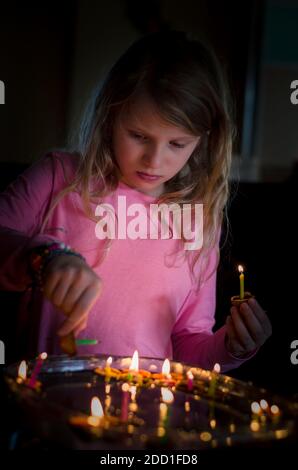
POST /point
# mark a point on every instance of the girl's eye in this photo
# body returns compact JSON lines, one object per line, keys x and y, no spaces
{"x":178,"y":146}
{"x":142,"y":138}
{"x":137,"y":136}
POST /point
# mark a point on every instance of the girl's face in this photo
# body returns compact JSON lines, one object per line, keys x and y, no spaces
{"x":149,"y":151}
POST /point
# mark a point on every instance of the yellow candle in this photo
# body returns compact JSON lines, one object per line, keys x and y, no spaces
{"x":213,"y":380}
{"x":241,"y":277}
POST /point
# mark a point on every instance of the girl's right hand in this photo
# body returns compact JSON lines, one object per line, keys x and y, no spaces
{"x":73,"y":287}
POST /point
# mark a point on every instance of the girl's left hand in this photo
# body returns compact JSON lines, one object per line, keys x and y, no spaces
{"x":248,"y":328}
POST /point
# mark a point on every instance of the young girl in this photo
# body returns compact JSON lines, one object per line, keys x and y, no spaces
{"x":159,"y":132}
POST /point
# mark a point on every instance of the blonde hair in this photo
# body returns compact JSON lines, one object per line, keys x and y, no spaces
{"x":186,"y":82}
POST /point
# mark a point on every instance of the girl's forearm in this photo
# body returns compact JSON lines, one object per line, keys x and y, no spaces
{"x":14,"y":248}
{"x":205,"y":349}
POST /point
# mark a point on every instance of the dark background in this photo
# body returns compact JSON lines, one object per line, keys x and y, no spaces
{"x":54,"y":53}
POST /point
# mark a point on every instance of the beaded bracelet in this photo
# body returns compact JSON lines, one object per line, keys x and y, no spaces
{"x":42,"y":255}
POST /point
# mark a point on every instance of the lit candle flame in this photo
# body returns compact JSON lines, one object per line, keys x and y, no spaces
{"x":213,"y":423}
{"x":133,"y":392}
{"x":264,"y":404}
{"x":216,"y":368}
{"x":187,"y":406}
{"x":190,"y":375}
{"x":125,"y":387}
{"x":22,"y":372}
{"x":134,"y":362}
{"x":96,"y":408}
{"x":163,"y":410}
{"x":254,"y":426}
{"x":166,"y":367}
{"x":109,"y":361}
{"x":240,"y":268}
{"x":255,"y":407}
{"x":166,"y":395}
{"x":274,"y":410}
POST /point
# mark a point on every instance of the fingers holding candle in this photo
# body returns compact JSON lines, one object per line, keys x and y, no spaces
{"x":245,"y":331}
{"x":242,"y":331}
{"x":259,"y":330}
{"x":256,"y":321}
{"x":233,"y":344}
{"x":69,"y":343}
{"x":81,"y":326}
{"x":261,"y":315}
{"x":73,"y":287}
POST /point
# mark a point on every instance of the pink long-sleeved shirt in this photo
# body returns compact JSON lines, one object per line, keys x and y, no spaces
{"x":147,"y":303}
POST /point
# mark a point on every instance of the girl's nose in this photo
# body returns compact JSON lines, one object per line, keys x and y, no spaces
{"x":153,"y":157}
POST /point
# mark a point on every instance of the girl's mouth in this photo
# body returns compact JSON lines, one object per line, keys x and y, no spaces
{"x":146,"y":177}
